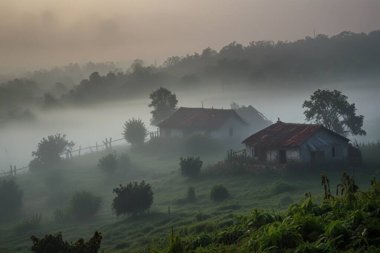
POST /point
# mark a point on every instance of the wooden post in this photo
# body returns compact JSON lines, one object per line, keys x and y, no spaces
{"x":96,"y":145}
{"x":79,"y":150}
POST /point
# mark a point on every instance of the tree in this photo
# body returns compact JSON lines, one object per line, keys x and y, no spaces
{"x":164,"y":103}
{"x":135,"y":198}
{"x":50,"y":149}
{"x":332,"y":110}
{"x":135,"y":131}
{"x":10,"y":198}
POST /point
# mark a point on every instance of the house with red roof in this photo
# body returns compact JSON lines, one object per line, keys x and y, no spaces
{"x":289,"y":142}
{"x":217,"y":123}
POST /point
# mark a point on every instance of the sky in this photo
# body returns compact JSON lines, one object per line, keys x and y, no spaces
{"x":45,"y":33}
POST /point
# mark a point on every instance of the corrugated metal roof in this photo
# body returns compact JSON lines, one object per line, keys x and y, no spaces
{"x":199,"y":118}
{"x":283,"y":134}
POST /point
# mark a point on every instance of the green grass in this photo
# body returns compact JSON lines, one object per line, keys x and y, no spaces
{"x":160,"y":169}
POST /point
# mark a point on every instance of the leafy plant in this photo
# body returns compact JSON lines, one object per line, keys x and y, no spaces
{"x":54,"y":243}
{"x":108,"y":163}
{"x":135,"y":198}
{"x":219,"y":193}
{"x":190,"y":166}
{"x":84,"y":205}
{"x":191,"y":194}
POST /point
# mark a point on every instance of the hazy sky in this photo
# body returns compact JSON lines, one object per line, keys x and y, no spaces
{"x":41,"y":33}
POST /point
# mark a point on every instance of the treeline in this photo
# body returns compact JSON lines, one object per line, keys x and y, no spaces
{"x":323,"y":58}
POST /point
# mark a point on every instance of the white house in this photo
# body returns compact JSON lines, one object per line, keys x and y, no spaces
{"x":218,"y":123}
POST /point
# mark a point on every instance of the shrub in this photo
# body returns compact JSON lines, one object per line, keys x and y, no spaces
{"x":108,"y":163}
{"x":55,"y":243}
{"x":191,"y":194}
{"x":135,"y":198}
{"x":135,"y":131}
{"x":219,"y":193}
{"x":84,"y":205}
{"x":10,"y":198}
{"x":190,"y":166}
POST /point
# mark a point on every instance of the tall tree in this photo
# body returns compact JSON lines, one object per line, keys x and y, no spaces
{"x":331,"y":109}
{"x":164,"y":103}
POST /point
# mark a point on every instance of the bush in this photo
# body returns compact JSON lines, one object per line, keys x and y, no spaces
{"x":191,"y":194}
{"x":135,"y":198}
{"x":219,"y":193}
{"x":10,"y":198}
{"x":84,"y":205}
{"x":108,"y":163}
{"x":190,"y":166}
{"x":135,"y":131}
{"x":281,"y":187}
{"x":55,"y":243}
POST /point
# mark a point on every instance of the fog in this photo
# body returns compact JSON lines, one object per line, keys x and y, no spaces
{"x":40,"y":34}
{"x":89,"y":125}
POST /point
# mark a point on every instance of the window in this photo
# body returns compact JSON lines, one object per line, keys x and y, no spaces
{"x":231,"y":131}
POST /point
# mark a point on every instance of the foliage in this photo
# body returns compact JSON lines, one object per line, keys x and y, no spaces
{"x":191,"y":194}
{"x":108,"y":163}
{"x":281,"y":187}
{"x":55,"y":243}
{"x":190,"y":166}
{"x":164,"y":103}
{"x":331,"y":109}
{"x":219,"y":193}
{"x":50,"y":149}
{"x":345,"y":222}
{"x":84,"y":205}
{"x":135,"y":131}
{"x":10,"y":198}
{"x":135,"y":198}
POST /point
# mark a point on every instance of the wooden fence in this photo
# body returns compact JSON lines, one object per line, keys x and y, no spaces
{"x":105,"y":145}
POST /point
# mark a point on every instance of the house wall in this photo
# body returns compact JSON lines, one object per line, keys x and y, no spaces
{"x":171,"y":132}
{"x":239,"y":130}
{"x":324,"y":142}
{"x":292,"y":155}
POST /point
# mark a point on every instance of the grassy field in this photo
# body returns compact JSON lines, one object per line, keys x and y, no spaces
{"x":44,"y":195}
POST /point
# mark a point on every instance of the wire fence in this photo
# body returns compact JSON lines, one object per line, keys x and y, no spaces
{"x":105,"y":145}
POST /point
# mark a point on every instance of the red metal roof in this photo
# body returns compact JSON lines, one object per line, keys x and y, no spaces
{"x":283,"y":134}
{"x":199,"y":118}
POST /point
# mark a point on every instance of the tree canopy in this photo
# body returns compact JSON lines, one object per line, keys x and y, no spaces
{"x":332,"y":110}
{"x":135,"y":131}
{"x":164,"y":103}
{"x":50,"y":149}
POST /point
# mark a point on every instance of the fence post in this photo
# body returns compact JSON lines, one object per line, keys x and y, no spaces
{"x":96,"y":145}
{"x":79,"y":150}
